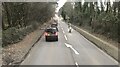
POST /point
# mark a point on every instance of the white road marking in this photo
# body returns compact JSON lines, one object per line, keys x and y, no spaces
{"x":28,"y":55}
{"x":62,"y":28}
{"x":63,"y":31}
{"x":97,"y":47}
{"x":101,"y":51}
{"x":106,"y":54}
{"x":75,"y":51}
{"x":68,"y":45}
{"x":76,"y":64}
{"x":65,"y":37}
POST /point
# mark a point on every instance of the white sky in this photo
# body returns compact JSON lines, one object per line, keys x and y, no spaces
{"x":60,"y":4}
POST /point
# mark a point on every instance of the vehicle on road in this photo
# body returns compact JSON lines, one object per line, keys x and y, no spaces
{"x":70,"y":30}
{"x":51,"y":34}
{"x":54,"y":25}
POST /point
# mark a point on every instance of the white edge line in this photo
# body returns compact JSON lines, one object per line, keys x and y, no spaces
{"x":101,"y":51}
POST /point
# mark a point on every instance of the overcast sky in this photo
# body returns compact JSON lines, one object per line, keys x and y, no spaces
{"x":62,"y":2}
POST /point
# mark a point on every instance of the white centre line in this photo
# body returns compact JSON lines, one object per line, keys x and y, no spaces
{"x":68,"y":45}
{"x":75,"y":51}
{"x":76,"y":64}
{"x":65,"y":37}
{"x":63,"y":31}
{"x":62,"y":28}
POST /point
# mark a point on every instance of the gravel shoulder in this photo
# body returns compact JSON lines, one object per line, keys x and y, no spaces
{"x":15,"y":53}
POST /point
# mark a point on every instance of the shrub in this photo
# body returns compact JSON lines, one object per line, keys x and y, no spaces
{"x":14,"y":35}
{"x":7,"y":36}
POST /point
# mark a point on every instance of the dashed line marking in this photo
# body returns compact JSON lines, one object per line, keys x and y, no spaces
{"x":76,"y":64}
{"x":75,"y":51}
{"x":65,"y":37}
{"x":63,"y":31}
{"x":62,"y":28}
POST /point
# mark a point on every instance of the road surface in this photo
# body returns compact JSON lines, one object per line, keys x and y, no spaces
{"x":71,"y":49}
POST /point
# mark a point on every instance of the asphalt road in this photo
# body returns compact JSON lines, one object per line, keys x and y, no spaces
{"x":71,"y":49}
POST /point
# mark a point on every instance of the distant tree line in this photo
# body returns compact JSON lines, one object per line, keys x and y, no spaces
{"x":21,"y":18}
{"x":0,"y":16}
{"x":101,"y":19}
{"x":20,"y":14}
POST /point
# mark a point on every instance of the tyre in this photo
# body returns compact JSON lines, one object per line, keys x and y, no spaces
{"x":56,"y":38}
{"x":46,"y":39}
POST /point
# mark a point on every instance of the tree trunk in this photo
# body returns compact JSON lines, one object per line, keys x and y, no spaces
{"x":7,"y":14}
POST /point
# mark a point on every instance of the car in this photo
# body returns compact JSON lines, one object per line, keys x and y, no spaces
{"x":55,"y":28}
{"x":54,"y":24}
{"x":51,"y":34}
